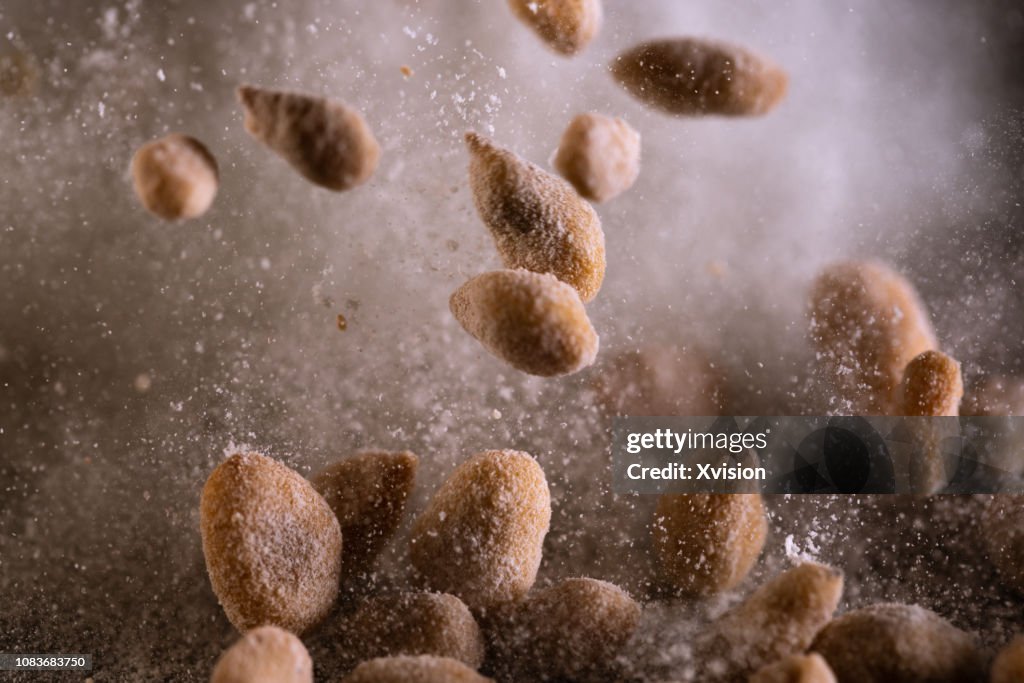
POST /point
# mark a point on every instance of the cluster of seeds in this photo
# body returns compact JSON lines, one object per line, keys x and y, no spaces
{"x":277,"y":547}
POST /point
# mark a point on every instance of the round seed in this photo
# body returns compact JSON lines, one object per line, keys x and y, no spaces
{"x":532,"y":321}
{"x":599,"y":155}
{"x":272,"y":545}
{"x":573,"y":630}
{"x":537,"y":220}
{"x":264,"y":655}
{"x":415,"y":624}
{"x":932,"y":386}
{"x":695,"y":77}
{"x":420,"y":669}
{"x":708,"y":543}
{"x":1008,"y":666}
{"x":482,"y":534}
{"x":175,"y":177}
{"x":810,"y":668}
{"x":867,"y":323}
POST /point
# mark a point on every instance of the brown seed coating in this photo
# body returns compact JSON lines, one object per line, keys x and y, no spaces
{"x":599,"y":155}
{"x":867,"y":323}
{"x":810,"y":668}
{"x":567,"y":26}
{"x":707,"y":543}
{"x":482,"y":534}
{"x":1003,"y":531}
{"x":1008,"y":666}
{"x":574,"y":630}
{"x":532,"y":321}
{"x":264,"y":655}
{"x":415,"y":624}
{"x":272,"y":545}
{"x":175,"y":177}
{"x":932,"y":385}
{"x":660,"y":380}
{"x":420,"y":669}
{"x":696,"y":77}
{"x":367,"y":492}
{"x":537,"y":220}
{"x":888,"y":642}
{"x":326,"y":141}
{"x":777,"y":620}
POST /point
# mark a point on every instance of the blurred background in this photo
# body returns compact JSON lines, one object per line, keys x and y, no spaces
{"x":134,"y":354}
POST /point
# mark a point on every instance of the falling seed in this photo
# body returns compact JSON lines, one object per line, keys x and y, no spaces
{"x":599,"y":155}
{"x":175,"y":177}
{"x":697,"y":77}
{"x":567,"y":26}
{"x":406,"y":71}
{"x":143,"y":382}
{"x":342,"y":323}
{"x":532,"y":321}
{"x":538,"y":221}
{"x":326,"y":141}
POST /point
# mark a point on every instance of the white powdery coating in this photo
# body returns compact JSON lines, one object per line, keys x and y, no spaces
{"x":537,"y":220}
{"x":272,"y":545}
{"x":265,"y":655}
{"x":482,"y":535}
{"x":533,"y":321}
{"x":599,"y":155}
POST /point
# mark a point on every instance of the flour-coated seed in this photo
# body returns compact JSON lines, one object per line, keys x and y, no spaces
{"x":932,"y":387}
{"x":777,"y":620}
{"x":537,"y":220}
{"x":414,"y":669}
{"x":707,"y":543}
{"x":272,"y":545}
{"x":415,"y":624}
{"x":599,"y":156}
{"x":892,"y":642}
{"x":574,"y":630}
{"x":533,"y":321}
{"x":326,"y":141}
{"x":482,"y":534}
{"x":697,"y":76}
{"x":367,"y":493}
{"x":567,"y":26}
{"x":175,"y":177}
{"x":264,"y":655}
{"x":867,"y":323}
{"x":809,"y":668}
